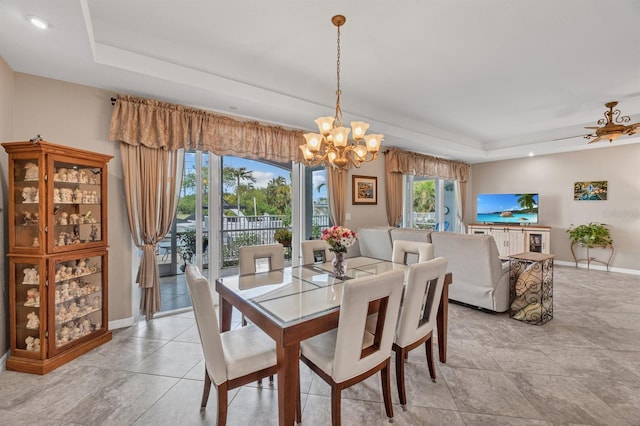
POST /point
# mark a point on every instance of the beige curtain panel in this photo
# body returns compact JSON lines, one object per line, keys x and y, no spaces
{"x":155,"y":124}
{"x":393,"y":186}
{"x":152,"y":181}
{"x":411,"y":163}
{"x":337,"y":185}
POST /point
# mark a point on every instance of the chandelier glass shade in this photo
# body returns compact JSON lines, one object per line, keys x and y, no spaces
{"x":332,"y":146}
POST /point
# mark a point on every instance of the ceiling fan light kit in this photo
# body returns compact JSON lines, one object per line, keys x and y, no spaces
{"x":612,"y":125}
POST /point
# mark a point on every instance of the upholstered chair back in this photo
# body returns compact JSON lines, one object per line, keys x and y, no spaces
{"x":274,"y":253}
{"x":355,"y":356}
{"x":423,"y":290}
{"x":207,"y":322}
{"x":316,"y":251}
{"x":408,"y":252}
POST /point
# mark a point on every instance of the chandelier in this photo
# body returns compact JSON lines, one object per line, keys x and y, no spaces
{"x":332,"y":146}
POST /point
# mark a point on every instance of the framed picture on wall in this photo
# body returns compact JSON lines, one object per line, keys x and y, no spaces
{"x":590,"y":190}
{"x":364,"y":189}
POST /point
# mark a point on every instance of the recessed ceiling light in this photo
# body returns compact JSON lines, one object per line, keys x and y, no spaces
{"x":38,"y":22}
{"x":531,"y":154}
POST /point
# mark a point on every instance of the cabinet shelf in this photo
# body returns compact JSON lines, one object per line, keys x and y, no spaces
{"x":512,"y":239}
{"x":61,"y":265}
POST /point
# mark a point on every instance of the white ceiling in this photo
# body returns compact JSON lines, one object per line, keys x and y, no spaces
{"x":472,"y":80}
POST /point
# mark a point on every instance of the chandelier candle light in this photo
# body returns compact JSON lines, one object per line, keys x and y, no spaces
{"x":332,"y":146}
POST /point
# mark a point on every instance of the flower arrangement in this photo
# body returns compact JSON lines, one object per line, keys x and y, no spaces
{"x":339,"y":238}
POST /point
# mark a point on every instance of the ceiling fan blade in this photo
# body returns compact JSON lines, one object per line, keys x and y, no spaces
{"x":598,"y":139}
{"x":592,"y":127}
{"x":568,"y":137}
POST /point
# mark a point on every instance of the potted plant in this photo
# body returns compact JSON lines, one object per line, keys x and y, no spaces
{"x":592,"y":234}
{"x":188,"y":246}
{"x":283,"y":236}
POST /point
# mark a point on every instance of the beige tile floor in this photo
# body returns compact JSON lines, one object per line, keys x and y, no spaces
{"x":582,"y":368}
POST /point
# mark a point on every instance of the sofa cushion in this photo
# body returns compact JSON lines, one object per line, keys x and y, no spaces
{"x":420,"y":235}
{"x":375,"y":242}
{"x":479,"y":276}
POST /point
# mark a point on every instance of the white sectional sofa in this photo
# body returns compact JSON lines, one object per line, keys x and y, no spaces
{"x":479,"y":276}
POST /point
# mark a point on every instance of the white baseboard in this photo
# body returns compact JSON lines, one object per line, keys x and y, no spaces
{"x":121,"y":323}
{"x":3,"y":361}
{"x":598,"y":267}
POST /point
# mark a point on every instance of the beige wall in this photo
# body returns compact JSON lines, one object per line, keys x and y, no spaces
{"x":7,"y":100}
{"x":79,"y":116}
{"x":367,"y":215}
{"x":552,"y":176}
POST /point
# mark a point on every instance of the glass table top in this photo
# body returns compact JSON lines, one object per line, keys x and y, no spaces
{"x":302,"y":292}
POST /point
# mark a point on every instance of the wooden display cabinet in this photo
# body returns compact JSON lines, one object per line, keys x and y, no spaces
{"x":57,"y":254}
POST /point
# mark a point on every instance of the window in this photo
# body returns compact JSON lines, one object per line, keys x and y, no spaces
{"x":430,"y":203}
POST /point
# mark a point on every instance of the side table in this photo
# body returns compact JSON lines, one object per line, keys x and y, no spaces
{"x":590,"y":258}
{"x":531,"y":287}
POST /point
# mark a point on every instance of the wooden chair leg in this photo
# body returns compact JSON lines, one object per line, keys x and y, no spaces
{"x":400,"y":357}
{"x":222,"y":404}
{"x":428,"y":345}
{"x":386,"y":388}
{"x":298,"y":404}
{"x":205,"y":391}
{"x":336,"y":394}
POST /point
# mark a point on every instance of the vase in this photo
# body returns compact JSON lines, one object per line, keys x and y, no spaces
{"x":339,"y":263}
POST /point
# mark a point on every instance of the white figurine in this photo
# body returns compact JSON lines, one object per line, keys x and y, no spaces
{"x":36,"y":242}
{"x":72,"y":176}
{"x":77,"y":196}
{"x":32,"y":293}
{"x":33,"y":322}
{"x":30,"y":194}
{"x":56,"y":196}
{"x":29,"y":341}
{"x":66,"y":195}
{"x":31,"y":171}
{"x":62,"y":174}
{"x":30,"y":276}
{"x":64,"y":291}
{"x":83,"y":178}
{"x":63,"y":218}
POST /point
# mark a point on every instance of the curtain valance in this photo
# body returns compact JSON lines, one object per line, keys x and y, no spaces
{"x":411,"y":163}
{"x":161,"y":125}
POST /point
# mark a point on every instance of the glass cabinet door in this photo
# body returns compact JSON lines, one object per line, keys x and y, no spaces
{"x":27,"y":200}
{"x":28,"y":313}
{"x":78,"y":294}
{"x":77,"y":205}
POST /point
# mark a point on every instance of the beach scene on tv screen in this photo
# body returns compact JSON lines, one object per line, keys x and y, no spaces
{"x":507,"y":208}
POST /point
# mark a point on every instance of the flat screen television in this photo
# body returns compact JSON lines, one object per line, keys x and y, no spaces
{"x":507,"y":208}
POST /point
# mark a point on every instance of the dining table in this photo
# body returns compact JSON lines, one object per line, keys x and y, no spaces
{"x":300,"y":302}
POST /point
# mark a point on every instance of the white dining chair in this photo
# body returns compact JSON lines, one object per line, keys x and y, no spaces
{"x":233,"y":358}
{"x":342,"y":359}
{"x":316,"y":251}
{"x":273,"y":254}
{"x":407,"y":252}
{"x":270,"y":257}
{"x":417,"y":320}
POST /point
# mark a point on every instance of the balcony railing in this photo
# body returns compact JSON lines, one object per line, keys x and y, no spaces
{"x":240,"y":231}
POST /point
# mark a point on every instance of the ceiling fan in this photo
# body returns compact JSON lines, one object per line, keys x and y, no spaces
{"x":612,"y":126}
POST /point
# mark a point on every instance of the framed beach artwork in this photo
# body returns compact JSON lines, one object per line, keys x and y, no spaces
{"x":364,"y":189}
{"x":595,"y":190}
